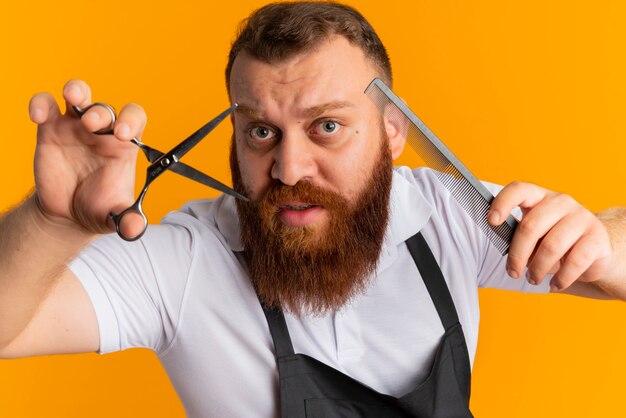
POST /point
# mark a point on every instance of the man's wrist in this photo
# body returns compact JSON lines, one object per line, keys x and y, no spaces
{"x":56,"y":228}
{"x":614,"y":283}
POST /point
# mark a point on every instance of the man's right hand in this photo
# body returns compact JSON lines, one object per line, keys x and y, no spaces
{"x":80,"y":176}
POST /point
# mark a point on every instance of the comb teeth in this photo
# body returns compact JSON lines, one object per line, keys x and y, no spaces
{"x":470,"y":193}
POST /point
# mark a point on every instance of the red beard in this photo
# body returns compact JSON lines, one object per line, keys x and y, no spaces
{"x":314,"y":270}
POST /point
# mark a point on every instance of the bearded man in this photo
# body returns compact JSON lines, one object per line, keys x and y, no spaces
{"x":345,"y":287}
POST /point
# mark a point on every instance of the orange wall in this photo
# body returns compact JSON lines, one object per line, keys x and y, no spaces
{"x":518,"y":90}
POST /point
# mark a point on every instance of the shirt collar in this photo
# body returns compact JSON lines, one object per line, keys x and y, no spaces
{"x":409,"y":212}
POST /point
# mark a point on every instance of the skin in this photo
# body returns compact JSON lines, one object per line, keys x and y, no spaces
{"x":307,"y":119}
{"x":81,"y":177}
{"x":559,"y":236}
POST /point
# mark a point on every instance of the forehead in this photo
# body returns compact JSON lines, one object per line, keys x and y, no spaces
{"x":335,"y":71}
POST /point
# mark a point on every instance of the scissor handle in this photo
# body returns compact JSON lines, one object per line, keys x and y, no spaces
{"x":104,"y":131}
{"x":134,"y":209}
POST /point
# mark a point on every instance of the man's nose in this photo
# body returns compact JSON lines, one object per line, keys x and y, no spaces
{"x":294,"y":160}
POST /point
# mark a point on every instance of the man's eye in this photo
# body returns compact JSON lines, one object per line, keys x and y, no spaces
{"x":327,"y":127}
{"x":262,"y":133}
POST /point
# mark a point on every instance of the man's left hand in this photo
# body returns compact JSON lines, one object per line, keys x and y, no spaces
{"x":556,"y":236}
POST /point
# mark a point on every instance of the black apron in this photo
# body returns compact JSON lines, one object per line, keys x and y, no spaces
{"x":310,"y":388}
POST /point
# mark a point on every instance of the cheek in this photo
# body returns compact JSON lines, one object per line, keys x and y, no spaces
{"x":350,"y":173}
{"x":255,"y":173}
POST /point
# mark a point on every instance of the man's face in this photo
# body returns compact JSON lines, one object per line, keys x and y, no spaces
{"x":310,"y":151}
{"x":306,"y":118}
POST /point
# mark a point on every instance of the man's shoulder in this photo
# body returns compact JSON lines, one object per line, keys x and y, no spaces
{"x":215,"y":216}
{"x":194,"y":213}
{"x":428,"y":181}
{"x":420,"y":180}
{"x":417,"y":174}
{"x":424,"y":187}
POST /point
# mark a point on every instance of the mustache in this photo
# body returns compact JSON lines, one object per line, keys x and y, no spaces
{"x":303,"y":191}
{"x":313,"y":270}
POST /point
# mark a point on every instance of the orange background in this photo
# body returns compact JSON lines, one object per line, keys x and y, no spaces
{"x":518,"y":90}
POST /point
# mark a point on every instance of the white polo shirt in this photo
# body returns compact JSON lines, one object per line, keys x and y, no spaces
{"x":181,"y":292}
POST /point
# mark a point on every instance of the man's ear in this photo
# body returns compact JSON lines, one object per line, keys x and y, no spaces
{"x":397,"y":128}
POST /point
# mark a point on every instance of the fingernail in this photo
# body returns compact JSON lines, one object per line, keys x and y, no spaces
{"x":37,"y":115}
{"x":493,"y":217}
{"x":512,"y":273}
{"x":93,"y":116}
{"x":123,"y":131}
{"x":554,"y":287}
{"x":74,"y":91}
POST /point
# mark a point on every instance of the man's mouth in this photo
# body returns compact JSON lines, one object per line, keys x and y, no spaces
{"x":298,"y":214}
{"x":300,"y":207}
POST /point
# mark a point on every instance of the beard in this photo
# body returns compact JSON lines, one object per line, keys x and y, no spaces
{"x":315,"y":269}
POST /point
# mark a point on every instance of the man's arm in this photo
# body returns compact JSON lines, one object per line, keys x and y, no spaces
{"x":586,"y":253}
{"x":608,"y":287}
{"x":614,"y":283}
{"x":43,"y":308}
{"x":80,"y":177}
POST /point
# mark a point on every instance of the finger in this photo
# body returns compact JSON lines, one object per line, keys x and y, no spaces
{"x":42,"y":108}
{"x":132,"y":226}
{"x":515,"y":194}
{"x":578,"y":261}
{"x":131,"y":122}
{"x":555,"y":245}
{"x":532,"y":229}
{"x":76,"y":93}
{"x":97,"y":118}
{"x":553,"y":269}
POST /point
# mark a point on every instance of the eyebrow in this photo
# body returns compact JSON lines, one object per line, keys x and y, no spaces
{"x":310,"y":112}
{"x":319,"y":110}
{"x":249,"y":111}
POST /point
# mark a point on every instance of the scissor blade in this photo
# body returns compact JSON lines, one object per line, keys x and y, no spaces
{"x":187,"y":171}
{"x":184,"y":147}
{"x":151,"y":154}
{"x":191,"y":173}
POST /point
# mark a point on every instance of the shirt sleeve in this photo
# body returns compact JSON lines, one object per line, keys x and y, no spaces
{"x":137,"y":288}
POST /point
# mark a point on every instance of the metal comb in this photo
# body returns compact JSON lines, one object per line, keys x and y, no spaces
{"x":471,"y":194}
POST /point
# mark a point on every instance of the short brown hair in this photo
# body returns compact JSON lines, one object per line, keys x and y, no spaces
{"x":280,"y":30}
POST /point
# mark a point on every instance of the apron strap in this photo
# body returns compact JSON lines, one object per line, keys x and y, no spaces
{"x":433,"y":279}
{"x":280,"y":334}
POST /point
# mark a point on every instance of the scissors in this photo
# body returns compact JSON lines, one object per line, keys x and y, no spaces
{"x":161,"y":162}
